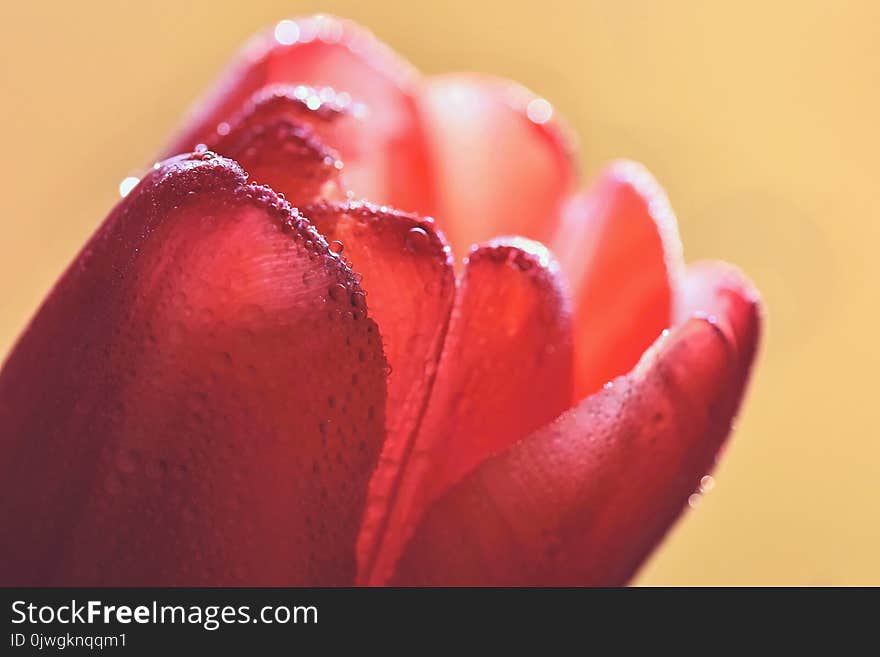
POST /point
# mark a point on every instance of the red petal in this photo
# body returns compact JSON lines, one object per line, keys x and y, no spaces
{"x":287,"y":157}
{"x":619,"y":246}
{"x":583,"y":500}
{"x":505,"y":371}
{"x":384,"y":150}
{"x":197,"y":402}
{"x":502,"y":166}
{"x":320,"y":109}
{"x":407,"y":269}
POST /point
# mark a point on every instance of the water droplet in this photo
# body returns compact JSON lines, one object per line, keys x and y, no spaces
{"x":694,"y":500}
{"x":127,"y":185}
{"x":359,"y":300}
{"x":707,"y":483}
{"x":539,"y":111}
{"x":336,"y":247}
{"x":416,"y":239}
{"x":287,"y":32}
{"x":522,"y":261}
{"x":337,"y":291}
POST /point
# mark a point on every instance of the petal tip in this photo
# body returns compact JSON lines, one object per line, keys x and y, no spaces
{"x":637,"y":176}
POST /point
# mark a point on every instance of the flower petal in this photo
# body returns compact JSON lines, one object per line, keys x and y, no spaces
{"x":287,"y":157}
{"x":384,"y":149}
{"x":502,"y":166}
{"x":505,"y":371}
{"x":618,"y":244}
{"x":198,"y":402}
{"x":407,"y":271}
{"x":722,"y":293}
{"x":583,"y":500}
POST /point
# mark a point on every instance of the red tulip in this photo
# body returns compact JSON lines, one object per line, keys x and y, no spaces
{"x":223,"y":389}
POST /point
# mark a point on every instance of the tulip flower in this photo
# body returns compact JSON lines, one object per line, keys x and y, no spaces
{"x":270,"y":366}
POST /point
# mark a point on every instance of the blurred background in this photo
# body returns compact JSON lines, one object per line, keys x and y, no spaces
{"x":760,"y":119}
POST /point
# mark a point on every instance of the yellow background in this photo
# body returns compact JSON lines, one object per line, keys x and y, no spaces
{"x":760,"y":118}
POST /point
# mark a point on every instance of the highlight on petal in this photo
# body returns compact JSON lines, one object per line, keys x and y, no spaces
{"x":332,"y":62}
{"x":300,"y":104}
{"x":502,"y":164}
{"x":505,"y":371}
{"x":619,"y":247}
{"x":583,"y":500}
{"x":408,"y":275}
{"x":198,"y":402}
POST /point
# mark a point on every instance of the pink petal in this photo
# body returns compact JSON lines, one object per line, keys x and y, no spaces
{"x":384,"y":149}
{"x":619,"y":247}
{"x":501,"y":164}
{"x":505,"y":371}
{"x":585,"y":499}
{"x":286,"y":156}
{"x":407,"y":271}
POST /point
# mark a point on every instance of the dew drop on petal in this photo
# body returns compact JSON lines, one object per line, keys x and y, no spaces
{"x":539,"y":111}
{"x":287,"y":32}
{"x":416,"y":238}
{"x":523,"y":262}
{"x":707,"y":483}
{"x":337,"y":291}
{"x":127,"y":185}
{"x":359,"y":300}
